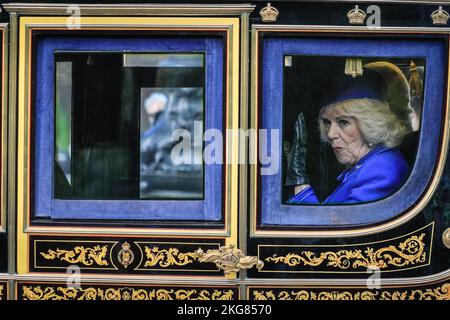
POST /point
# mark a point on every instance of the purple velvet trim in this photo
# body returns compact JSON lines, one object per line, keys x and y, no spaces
{"x":209,"y":209}
{"x":273,"y":212}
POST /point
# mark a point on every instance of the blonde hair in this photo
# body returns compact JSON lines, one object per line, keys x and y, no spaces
{"x":377,"y":123}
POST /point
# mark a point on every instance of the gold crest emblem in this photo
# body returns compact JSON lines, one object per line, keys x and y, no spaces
{"x":125,"y":255}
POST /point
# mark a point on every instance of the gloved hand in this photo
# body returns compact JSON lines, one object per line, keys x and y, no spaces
{"x":296,"y":169}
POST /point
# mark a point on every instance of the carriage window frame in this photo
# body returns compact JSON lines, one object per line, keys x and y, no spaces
{"x":229,"y":27}
{"x":3,"y":123}
{"x":46,"y":205}
{"x":293,"y":223}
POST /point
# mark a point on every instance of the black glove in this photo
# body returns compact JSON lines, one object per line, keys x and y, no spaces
{"x":296,"y":169}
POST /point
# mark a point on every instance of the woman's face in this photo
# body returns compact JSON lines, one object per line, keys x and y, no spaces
{"x":344,"y":136}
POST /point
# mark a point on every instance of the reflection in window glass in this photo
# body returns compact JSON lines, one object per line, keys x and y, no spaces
{"x":162,"y":60}
{"x":357,"y":140}
{"x":115,"y":114}
{"x":63,"y":114}
{"x":164,"y":110}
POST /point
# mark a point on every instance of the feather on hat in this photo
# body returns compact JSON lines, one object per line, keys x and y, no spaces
{"x":397,"y":91}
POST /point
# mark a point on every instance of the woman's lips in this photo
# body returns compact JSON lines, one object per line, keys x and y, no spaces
{"x":337,"y":149}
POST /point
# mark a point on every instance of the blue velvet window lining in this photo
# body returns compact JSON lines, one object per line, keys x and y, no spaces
{"x":273,"y":212}
{"x":208,"y":209}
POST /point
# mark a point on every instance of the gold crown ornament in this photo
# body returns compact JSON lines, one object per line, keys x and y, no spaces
{"x":440,"y":16}
{"x":269,"y":13}
{"x":356,"y":16}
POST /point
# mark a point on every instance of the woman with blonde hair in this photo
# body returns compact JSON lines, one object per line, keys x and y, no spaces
{"x":363,"y":124}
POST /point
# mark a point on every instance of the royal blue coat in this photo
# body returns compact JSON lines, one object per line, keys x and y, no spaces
{"x":378,"y":174}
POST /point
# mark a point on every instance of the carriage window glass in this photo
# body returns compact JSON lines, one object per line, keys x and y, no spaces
{"x":355,"y":119}
{"x":63,"y":114}
{"x":115,"y":115}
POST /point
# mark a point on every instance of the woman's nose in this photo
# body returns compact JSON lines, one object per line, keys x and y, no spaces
{"x":332,"y":132}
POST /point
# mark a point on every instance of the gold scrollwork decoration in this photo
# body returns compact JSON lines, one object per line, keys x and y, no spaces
{"x":2,"y":286}
{"x":91,"y":293}
{"x":167,"y":257}
{"x":86,"y":256}
{"x":409,"y":252}
{"x":229,"y":259}
{"x":311,"y":295}
{"x":440,"y":293}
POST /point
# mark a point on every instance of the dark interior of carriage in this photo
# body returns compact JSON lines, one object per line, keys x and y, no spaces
{"x":306,"y":79}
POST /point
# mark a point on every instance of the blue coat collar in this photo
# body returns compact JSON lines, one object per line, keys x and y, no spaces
{"x":347,"y":173}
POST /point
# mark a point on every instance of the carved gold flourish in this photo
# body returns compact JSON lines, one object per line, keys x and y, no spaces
{"x":168,"y":257}
{"x":229,"y":259}
{"x":409,"y":252}
{"x":1,"y":290}
{"x":310,"y":295}
{"x":80,"y":254}
{"x":64,"y":293}
{"x":439,"y":293}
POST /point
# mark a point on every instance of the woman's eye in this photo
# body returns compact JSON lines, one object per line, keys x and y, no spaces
{"x":343,"y":123}
{"x":326,"y":123}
